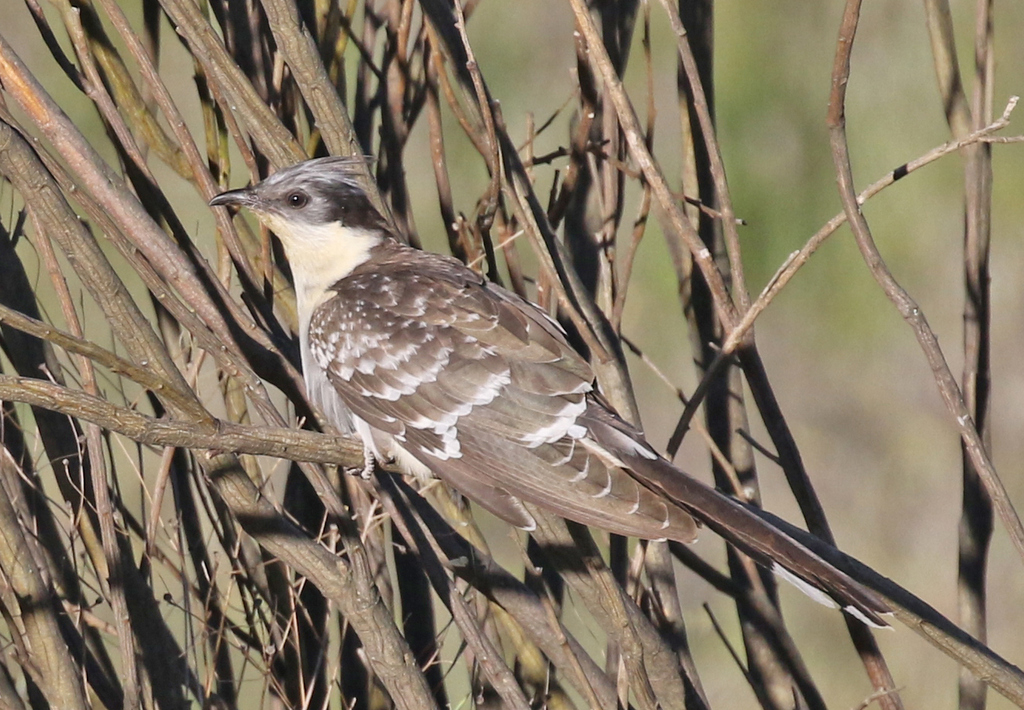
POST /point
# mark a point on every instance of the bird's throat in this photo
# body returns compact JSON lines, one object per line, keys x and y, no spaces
{"x":320,"y":256}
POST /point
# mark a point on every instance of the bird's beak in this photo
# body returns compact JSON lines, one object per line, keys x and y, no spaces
{"x":245,"y":197}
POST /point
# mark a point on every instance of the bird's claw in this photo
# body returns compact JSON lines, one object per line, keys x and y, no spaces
{"x":369,"y":463}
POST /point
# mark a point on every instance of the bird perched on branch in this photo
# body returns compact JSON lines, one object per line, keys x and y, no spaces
{"x":455,"y":377}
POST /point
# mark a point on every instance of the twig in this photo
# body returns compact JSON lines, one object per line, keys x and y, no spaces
{"x":732,"y":652}
{"x":117,"y":365}
{"x":716,"y":164}
{"x":113,"y":582}
{"x":289,"y":444}
{"x":533,"y":613}
{"x":906,"y":306}
{"x":483,"y":651}
{"x":677,"y":221}
{"x":345,"y":581}
{"x":797,"y":259}
{"x":199,"y":172}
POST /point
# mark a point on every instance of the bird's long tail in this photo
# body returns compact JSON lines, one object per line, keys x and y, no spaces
{"x":766,"y":543}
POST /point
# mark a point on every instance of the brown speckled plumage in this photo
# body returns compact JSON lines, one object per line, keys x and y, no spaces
{"x":480,"y":388}
{"x":456,"y":377}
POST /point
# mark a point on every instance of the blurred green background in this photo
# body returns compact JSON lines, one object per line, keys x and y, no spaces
{"x":850,"y":377}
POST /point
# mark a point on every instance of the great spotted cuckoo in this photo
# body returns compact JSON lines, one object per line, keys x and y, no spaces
{"x":455,"y":377}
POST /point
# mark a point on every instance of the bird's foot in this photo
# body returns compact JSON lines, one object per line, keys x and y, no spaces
{"x":369,"y":462}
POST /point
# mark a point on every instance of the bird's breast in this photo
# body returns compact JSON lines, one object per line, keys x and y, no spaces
{"x":323,"y":396}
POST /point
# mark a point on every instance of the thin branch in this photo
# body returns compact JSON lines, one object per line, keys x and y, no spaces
{"x":906,"y":306}
{"x":677,"y":221}
{"x":797,"y":259}
{"x":289,"y":444}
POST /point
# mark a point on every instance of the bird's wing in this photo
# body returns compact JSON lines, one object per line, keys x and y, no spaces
{"x":483,"y":390}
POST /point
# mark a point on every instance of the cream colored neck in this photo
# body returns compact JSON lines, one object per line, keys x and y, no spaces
{"x":320,"y":256}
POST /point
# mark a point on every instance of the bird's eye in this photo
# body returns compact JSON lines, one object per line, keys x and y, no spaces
{"x":298,"y":199}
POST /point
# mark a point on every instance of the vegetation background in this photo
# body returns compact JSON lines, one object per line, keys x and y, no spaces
{"x":881,"y":448}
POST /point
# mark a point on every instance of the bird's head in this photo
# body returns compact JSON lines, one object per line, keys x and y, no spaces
{"x":324,"y":218}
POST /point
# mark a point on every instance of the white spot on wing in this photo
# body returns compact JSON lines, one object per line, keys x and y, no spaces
{"x":644,"y":451}
{"x":636,"y":505}
{"x":452,"y":448}
{"x":568,"y":456}
{"x":576,"y":431}
{"x":490,"y":389}
{"x":564,"y":425}
{"x":583,"y":472}
{"x":606,"y":490}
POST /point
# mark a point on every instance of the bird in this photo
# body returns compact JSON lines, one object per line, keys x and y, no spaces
{"x":451,"y":376}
